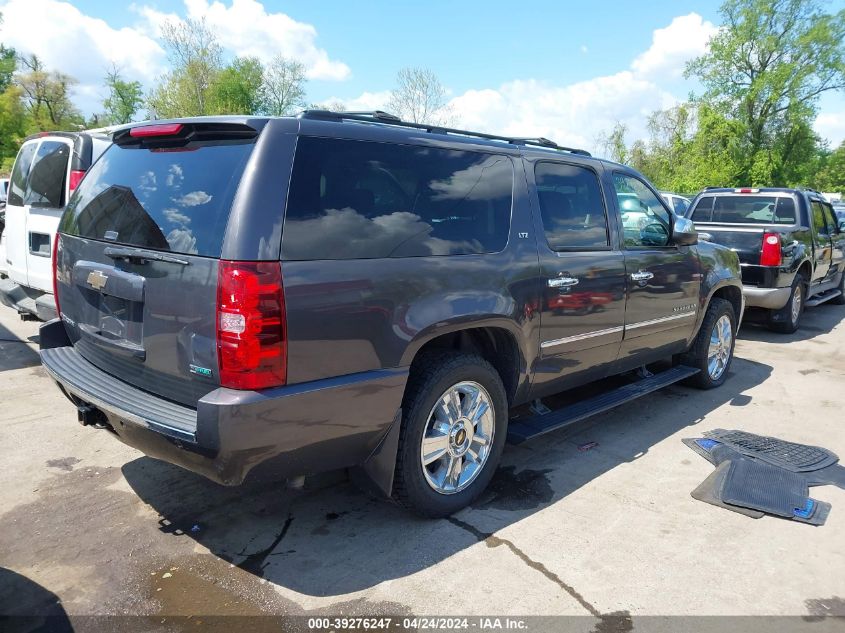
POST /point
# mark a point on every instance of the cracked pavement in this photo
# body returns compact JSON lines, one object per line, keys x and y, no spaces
{"x":606,"y":533}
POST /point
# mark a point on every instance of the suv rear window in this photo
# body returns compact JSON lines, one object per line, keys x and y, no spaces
{"x":361,"y":199}
{"x":164,"y":199}
{"x":745,"y":209}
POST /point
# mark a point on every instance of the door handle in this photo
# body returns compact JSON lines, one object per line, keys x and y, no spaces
{"x":643,"y":275}
{"x":562,"y":282}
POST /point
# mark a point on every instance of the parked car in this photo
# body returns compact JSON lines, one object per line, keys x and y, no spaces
{"x":678,"y":204}
{"x":4,"y":187}
{"x":47,"y":170}
{"x":339,"y":290}
{"x":790,"y":244}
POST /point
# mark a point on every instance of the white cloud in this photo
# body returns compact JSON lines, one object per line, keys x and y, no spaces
{"x":672,"y":47}
{"x":831,"y":126}
{"x":572,"y":115}
{"x":246,"y":28}
{"x":577,"y":114}
{"x":79,"y":45}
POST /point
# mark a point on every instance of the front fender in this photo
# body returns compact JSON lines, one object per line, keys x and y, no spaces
{"x":719,"y":269}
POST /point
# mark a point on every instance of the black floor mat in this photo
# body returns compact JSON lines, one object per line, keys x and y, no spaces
{"x":710,"y":489}
{"x":786,"y":455}
{"x":754,"y":484}
{"x":711,"y":450}
{"x":830,"y":476}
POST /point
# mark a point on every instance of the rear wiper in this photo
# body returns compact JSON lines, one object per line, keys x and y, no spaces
{"x":137,"y":257}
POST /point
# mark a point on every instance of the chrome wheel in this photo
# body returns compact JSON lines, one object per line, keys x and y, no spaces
{"x":796,"y":304}
{"x":721,"y":344}
{"x":458,"y":437}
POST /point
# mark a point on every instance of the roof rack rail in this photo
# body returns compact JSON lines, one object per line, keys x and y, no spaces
{"x":379,"y":116}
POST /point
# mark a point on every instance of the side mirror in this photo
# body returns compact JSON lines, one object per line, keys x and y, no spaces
{"x":684,"y":232}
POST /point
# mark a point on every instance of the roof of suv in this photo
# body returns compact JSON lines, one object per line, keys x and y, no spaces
{"x":388,"y":126}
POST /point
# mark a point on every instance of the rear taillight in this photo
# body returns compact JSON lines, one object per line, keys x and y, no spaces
{"x":251,"y":337}
{"x":771,"y":254}
{"x":57,"y":249}
{"x":76,"y":176}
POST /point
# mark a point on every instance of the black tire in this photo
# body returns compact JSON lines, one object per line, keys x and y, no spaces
{"x":431,"y":376}
{"x":840,"y":300}
{"x":783,"y":320}
{"x":697,"y":355}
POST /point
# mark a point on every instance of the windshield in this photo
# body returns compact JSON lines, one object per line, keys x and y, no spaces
{"x":163,"y":199}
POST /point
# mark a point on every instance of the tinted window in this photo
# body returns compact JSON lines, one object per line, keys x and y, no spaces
{"x":571,"y":206}
{"x":46,"y":185}
{"x":354,"y":199}
{"x":818,"y":218}
{"x":830,"y":218}
{"x":702,"y":210}
{"x":680,"y":205}
{"x":645,"y":221}
{"x":746,"y":210}
{"x":17,"y":182}
{"x":161,"y":199}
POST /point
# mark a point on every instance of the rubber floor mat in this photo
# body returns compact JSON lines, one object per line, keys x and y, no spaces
{"x":754,"y":484}
{"x":814,"y":512}
{"x":711,"y":450}
{"x":710,"y":489}
{"x":830,"y":476}
{"x":787,"y":455}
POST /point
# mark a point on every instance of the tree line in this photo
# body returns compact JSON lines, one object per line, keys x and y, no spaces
{"x":762,"y":78}
{"x":761,"y":81}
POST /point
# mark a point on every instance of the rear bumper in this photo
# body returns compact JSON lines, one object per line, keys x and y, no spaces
{"x":21,"y":299}
{"x":294,"y":430}
{"x":769,"y":298}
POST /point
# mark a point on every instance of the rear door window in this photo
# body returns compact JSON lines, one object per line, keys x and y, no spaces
{"x":571,"y":206}
{"x":46,"y":184}
{"x":361,"y":199}
{"x":160,"y":198}
{"x":20,"y":173}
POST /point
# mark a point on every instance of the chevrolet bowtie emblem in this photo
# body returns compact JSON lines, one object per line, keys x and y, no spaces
{"x":97,"y":280}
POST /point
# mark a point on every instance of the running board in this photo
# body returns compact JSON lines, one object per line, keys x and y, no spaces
{"x":523,"y":429}
{"x":819,"y":299}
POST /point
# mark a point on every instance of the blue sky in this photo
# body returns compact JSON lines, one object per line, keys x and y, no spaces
{"x":567,"y":70}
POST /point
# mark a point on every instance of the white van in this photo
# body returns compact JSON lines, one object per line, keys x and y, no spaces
{"x":47,"y":170}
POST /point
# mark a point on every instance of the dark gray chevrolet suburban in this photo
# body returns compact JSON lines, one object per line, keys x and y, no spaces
{"x":347,"y":290}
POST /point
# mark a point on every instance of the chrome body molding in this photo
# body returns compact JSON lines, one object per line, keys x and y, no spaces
{"x":615,"y":330}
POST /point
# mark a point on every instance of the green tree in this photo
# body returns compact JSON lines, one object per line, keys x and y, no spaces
{"x":8,"y":64}
{"x":284,"y":86}
{"x":831,"y":176}
{"x":124,"y":100}
{"x":765,"y":70}
{"x":196,"y":60}
{"x":13,"y":125}
{"x":239,"y":88}
{"x":46,"y":96}
{"x":613,"y":144}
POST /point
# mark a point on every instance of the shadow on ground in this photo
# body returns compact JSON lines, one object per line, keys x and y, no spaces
{"x":815,"y":322}
{"x":337,"y":540}
{"x":17,"y":353}
{"x":27,"y":607}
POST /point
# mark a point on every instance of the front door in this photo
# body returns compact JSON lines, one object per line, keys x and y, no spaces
{"x":664,"y":281}
{"x":583,"y":278}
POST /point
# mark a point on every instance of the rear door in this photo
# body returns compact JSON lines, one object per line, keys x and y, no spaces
{"x":582,"y":312}
{"x":46,"y":196}
{"x":138,"y":257}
